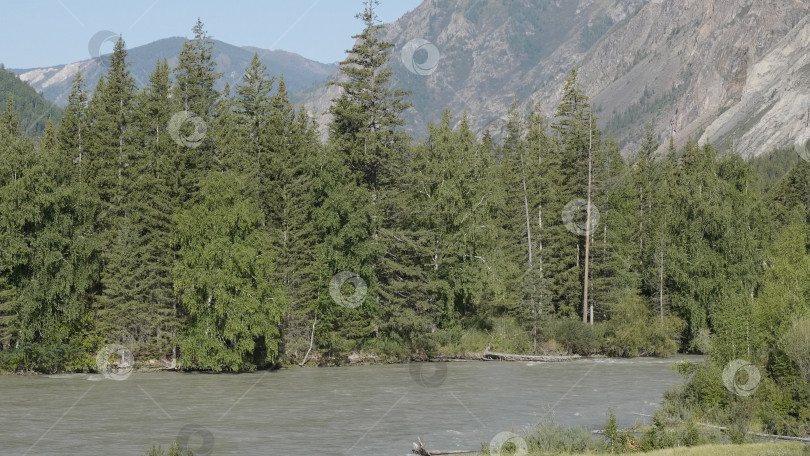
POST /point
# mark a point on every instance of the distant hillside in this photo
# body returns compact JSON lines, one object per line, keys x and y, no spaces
{"x":33,"y":109}
{"x":713,"y":70}
{"x":300,"y":74}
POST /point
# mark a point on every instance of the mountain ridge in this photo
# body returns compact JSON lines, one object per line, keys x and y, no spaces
{"x":715,"y":71}
{"x":300,"y":73}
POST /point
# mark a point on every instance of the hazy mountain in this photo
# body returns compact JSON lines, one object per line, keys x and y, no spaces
{"x":300,"y":74}
{"x":717,"y":70}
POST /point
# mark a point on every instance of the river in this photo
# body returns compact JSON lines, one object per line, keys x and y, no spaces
{"x":358,"y":410}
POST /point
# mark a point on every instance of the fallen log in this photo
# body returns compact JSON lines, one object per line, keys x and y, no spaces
{"x":538,"y":358}
{"x":422,"y":451}
{"x":757,"y":434}
{"x":764,"y":436}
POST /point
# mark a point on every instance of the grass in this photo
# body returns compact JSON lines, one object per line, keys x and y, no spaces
{"x":758,"y":449}
{"x":753,"y":449}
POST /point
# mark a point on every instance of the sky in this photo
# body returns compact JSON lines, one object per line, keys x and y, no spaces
{"x":38,"y":33}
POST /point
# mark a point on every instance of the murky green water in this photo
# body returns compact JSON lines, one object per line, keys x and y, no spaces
{"x":370,"y":410}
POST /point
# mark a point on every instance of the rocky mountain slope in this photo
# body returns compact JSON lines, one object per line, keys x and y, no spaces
{"x":713,"y":70}
{"x":300,"y":74}
{"x":719,"y":71}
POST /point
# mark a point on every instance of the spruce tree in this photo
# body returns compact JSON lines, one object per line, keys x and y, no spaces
{"x":579,"y":141}
{"x":454,"y":228}
{"x":363,"y":135}
{"x":151,"y":211}
{"x":111,"y":152}
{"x":193,"y":94}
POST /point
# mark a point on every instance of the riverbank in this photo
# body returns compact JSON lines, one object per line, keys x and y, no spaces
{"x":353,"y":359}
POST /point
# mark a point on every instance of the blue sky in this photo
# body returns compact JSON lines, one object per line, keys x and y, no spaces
{"x":37,"y":33}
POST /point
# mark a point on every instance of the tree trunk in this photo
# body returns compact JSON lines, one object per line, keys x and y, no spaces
{"x":588,"y":225}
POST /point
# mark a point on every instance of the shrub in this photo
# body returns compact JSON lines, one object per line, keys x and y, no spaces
{"x":174,"y":450}
{"x":576,"y":336}
{"x":796,"y":343}
{"x":552,"y":438}
{"x":633,"y":329}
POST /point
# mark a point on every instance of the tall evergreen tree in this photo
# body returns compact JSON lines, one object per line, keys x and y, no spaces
{"x":364,"y":135}
{"x":151,"y":214}
{"x":454,"y":218}
{"x":579,"y":142}
{"x":111,"y":152}
{"x":193,"y":94}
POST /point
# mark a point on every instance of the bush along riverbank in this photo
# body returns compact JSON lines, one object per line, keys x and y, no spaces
{"x":490,"y":339}
{"x":719,"y":409}
{"x":667,"y":434}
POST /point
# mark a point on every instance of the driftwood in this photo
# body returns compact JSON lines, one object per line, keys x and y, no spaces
{"x":419,"y":448}
{"x":757,"y":434}
{"x":488,"y":355}
{"x":311,"y":341}
{"x":764,"y":436}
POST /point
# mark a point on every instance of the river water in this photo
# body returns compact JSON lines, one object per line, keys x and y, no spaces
{"x":359,"y":410}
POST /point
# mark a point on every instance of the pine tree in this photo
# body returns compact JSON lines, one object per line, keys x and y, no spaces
{"x":151,"y":210}
{"x":364,"y":135}
{"x":526,"y":182}
{"x":16,"y":213}
{"x":111,"y":152}
{"x":195,"y":74}
{"x":579,"y":143}
{"x":193,"y":94}
{"x":49,"y":266}
{"x":454,"y":231}
{"x":253,"y":105}
{"x":715,"y":256}
{"x":651,"y":182}
{"x":293,"y":206}
{"x":73,"y":129}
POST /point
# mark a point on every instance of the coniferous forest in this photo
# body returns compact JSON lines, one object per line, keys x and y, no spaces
{"x":215,"y":228}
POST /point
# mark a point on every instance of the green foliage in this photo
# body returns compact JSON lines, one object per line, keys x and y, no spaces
{"x":225,"y":280}
{"x":112,"y":231}
{"x":620,"y":441}
{"x":634,"y":330}
{"x":576,"y":337}
{"x":33,"y":110}
{"x":173,"y":450}
{"x":552,"y":438}
{"x":796,"y":344}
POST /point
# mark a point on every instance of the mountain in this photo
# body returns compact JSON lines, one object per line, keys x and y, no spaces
{"x":33,"y":110}
{"x":713,"y":70}
{"x":300,"y":74}
{"x":717,"y":71}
